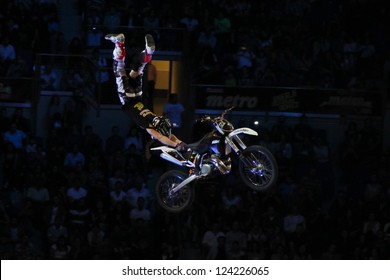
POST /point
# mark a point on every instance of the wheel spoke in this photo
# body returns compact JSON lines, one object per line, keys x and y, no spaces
{"x":260,"y":172}
{"x":169,"y":200}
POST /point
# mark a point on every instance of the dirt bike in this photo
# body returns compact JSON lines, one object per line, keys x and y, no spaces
{"x":210,"y":156}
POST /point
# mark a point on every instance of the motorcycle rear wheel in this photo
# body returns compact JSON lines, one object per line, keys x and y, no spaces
{"x":258,"y":168}
{"x":173,"y":202}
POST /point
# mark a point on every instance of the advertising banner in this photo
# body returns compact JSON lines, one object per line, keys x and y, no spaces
{"x":318,"y":101}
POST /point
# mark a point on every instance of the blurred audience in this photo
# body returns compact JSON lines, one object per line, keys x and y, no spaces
{"x":78,"y":203}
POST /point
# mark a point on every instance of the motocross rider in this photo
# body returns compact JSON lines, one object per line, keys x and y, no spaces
{"x":129,"y":90}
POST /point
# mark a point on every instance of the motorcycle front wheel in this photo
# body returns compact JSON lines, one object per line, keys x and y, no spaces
{"x":167,"y":199}
{"x":258,"y":168}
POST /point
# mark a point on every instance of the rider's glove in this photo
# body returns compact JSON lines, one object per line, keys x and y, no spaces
{"x":181,"y":147}
{"x":162,"y":125}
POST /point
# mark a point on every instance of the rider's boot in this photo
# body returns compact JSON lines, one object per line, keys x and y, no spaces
{"x":119,"y":52}
{"x":149,"y":44}
{"x":150,"y":47}
{"x":115,"y":38}
{"x":147,"y":54}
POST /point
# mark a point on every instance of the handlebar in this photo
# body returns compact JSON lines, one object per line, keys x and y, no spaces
{"x":208,"y":118}
{"x":227,"y":111}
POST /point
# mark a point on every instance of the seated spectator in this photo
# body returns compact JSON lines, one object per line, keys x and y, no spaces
{"x":114,"y":142}
{"x":283,"y":150}
{"x":95,"y":237}
{"x":222,"y":26}
{"x":210,"y":242}
{"x":116,"y":176}
{"x":38,"y":193}
{"x":76,"y":191}
{"x":79,"y":214}
{"x":134,"y":160}
{"x":230,"y":78}
{"x":236,"y":252}
{"x":56,"y":230}
{"x":173,"y":110}
{"x":25,"y":249}
{"x":60,"y":250}
{"x":116,"y":162}
{"x":7,"y":55}
{"x":91,"y":142}
{"x":15,"y":136}
{"x":56,"y":210}
{"x":100,"y":213}
{"x":372,"y":226}
{"x":140,"y":212}
{"x":245,"y":77}
{"x":245,"y":57}
{"x":139,"y":189}
{"x":151,"y":20}
{"x":222,"y":253}
{"x":236,"y":234}
{"x":73,"y":158}
{"x":112,"y":18}
{"x":102,"y":76}
{"x":189,"y":21}
{"x":292,"y":220}
{"x":134,"y":137}
{"x":231,"y":198}
{"x":207,"y":38}
{"x":118,"y":195}
{"x":287,"y":189}
{"x":49,"y":78}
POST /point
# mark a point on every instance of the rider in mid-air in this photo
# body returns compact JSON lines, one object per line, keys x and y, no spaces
{"x":129,"y":90}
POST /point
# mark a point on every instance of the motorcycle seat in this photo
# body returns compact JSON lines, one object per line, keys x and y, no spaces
{"x":202,"y":145}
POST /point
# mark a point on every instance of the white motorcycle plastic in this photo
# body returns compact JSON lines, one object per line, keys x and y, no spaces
{"x":211,"y":156}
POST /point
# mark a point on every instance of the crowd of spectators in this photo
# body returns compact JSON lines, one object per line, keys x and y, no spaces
{"x":292,"y":43}
{"x":328,"y":44}
{"x":28,"y":28}
{"x":73,"y":195}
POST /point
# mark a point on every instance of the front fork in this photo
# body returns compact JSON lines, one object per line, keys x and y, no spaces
{"x":239,"y":148}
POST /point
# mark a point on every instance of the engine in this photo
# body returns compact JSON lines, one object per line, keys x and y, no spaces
{"x":215,"y":164}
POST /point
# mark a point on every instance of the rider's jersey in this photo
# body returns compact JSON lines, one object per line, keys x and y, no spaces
{"x":141,"y":115}
{"x":145,"y":118}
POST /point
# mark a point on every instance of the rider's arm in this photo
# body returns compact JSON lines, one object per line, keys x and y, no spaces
{"x":172,"y":141}
{"x":175,"y":139}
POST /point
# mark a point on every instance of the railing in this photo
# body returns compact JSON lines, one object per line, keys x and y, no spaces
{"x":65,"y":73}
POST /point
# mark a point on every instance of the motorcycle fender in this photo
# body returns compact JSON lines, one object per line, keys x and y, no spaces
{"x":244,"y":130}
